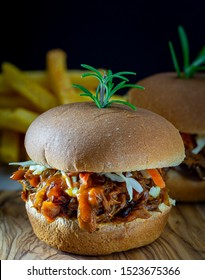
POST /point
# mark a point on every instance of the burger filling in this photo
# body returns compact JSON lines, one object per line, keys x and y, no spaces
{"x":93,"y":198}
{"x":194,"y":164}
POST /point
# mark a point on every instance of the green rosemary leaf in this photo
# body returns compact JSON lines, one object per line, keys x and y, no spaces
{"x":191,"y":70}
{"x":201,"y":68}
{"x":104,"y":97}
{"x":116,"y":76}
{"x":118,"y":87}
{"x":110,"y":86}
{"x":109,"y":82}
{"x":106,"y":88}
{"x":82,"y":88}
{"x":198,"y":61}
{"x":92,"y":75}
{"x":87,"y":94}
{"x":93,"y":98}
{"x":109,"y":74}
{"x":196,"y":64}
{"x":97,"y":91}
{"x":133,"y":86}
{"x":125,"y":86}
{"x":185,"y":46}
{"x":174,"y":59}
{"x":121,"y":102}
{"x":126,"y":73}
{"x":202,"y":52}
{"x":91,"y":69}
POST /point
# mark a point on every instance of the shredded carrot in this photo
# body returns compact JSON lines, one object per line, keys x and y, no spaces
{"x":85,"y":212}
{"x":156,"y":177}
{"x":84,"y":177}
{"x":34,"y":181}
{"x":18,"y":175}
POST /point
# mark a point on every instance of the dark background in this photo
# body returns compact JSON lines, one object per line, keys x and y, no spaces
{"x":122,"y":36}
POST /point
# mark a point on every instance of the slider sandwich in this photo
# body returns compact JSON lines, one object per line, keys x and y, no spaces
{"x":180,"y":98}
{"x":95,"y":184}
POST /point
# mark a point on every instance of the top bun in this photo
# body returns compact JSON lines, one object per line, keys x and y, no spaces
{"x":81,"y":137}
{"x":181,"y":101}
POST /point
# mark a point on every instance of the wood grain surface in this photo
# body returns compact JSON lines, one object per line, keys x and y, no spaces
{"x":183,"y":237}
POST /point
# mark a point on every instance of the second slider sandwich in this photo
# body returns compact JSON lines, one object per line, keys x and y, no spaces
{"x":95,"y":183}
{"x":180,"y":98}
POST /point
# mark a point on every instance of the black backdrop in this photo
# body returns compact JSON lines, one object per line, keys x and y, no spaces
{"x":128,"y":35}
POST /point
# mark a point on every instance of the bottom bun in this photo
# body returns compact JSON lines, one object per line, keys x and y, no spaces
{"x":184,"y":189}
{"x":65,"y":234}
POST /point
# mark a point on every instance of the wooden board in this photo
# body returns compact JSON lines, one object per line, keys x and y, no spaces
{"x":183,"y":237}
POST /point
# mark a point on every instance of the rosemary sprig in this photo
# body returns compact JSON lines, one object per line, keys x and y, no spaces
{"x":106,"y":88}
{"x":188,"y":69}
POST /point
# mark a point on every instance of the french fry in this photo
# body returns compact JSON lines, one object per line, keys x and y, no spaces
{"x":39,"y":96}
{"x":4,"y":87}
{"x":56,"y":67}
{"x":16,"y":119}
{"x":74,"y":75}
{"x":9,"y":146}
{"x":76,"y":78}
{"x":41,"y":77}
{"x":14,"y":102}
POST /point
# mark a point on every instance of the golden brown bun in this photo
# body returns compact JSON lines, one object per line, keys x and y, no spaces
{"x":184,"y":189}
{"x":66,"y":235}
{"x":81,"y":137}
{"x":181,"y":101}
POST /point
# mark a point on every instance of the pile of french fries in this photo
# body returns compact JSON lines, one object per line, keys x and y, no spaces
{"x":26,"y":94}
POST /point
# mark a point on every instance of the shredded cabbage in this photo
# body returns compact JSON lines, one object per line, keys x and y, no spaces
{"x":113,"y":177}
{"x":200,"y":141}
{"x":23,"y":163}
{"x":30,"y":163}
{"x":74,"y":179}
{"x":67,"y":179}
{"x":162,"y":206}
{"x":154,"y":191}
{"x":172,"y":201}
{"x":72,"y":192}
{"x":131,"y":183}
{"x":38,"y":169}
